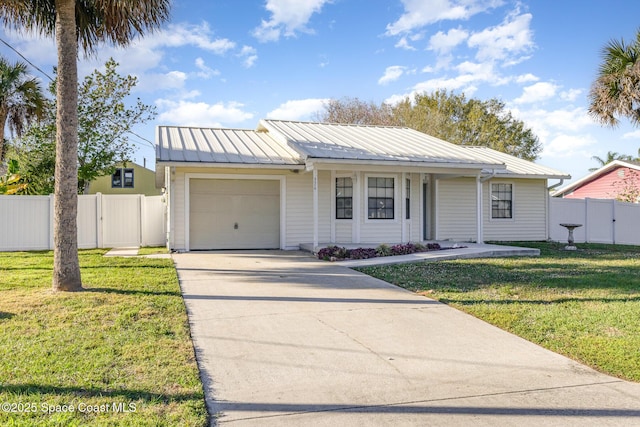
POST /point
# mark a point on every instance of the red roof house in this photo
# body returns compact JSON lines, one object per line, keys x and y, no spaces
{"x":616,"y":180}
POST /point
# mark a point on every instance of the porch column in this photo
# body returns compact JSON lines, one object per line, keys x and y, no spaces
{"x":315,"y":208}
{"x":479,"y":232}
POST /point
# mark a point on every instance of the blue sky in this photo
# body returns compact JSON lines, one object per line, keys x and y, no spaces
{"x":232,"y":62}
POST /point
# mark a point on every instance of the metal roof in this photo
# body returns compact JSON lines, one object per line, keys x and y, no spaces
{"x":215,"y":145}
{"x":331,"y":141}
{"x":278,"y":143}
{"x":515,"y":166}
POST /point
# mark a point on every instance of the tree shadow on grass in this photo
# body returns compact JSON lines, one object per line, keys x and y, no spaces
{"x":133,"y":292}
{"x":5,"y":315}
{"x":535,"y":302}
{"x":80,"y":392}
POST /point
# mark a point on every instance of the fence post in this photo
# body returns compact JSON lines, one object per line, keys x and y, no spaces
{"x":613,"y":220}
{"x":141,"y":213}
{"x":51,"y":214}
{"x":99,"y":233}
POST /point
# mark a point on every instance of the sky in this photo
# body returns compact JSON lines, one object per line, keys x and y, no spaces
{"x":230,"y":63}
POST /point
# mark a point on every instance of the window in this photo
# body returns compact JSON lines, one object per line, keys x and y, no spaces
{"x":122,"y":178}
{"x":407,"y":199}
{"x":501,"y":201}
{"x":380,"y":198}
{"x":344,"y":198}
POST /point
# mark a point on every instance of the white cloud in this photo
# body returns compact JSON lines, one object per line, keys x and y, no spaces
{"x":445,"y":42}
{"x":506,"y":41}
{"x":178,"y":35}
{"x":632,"y":135}
{"x":205,"y":72}
{"x":526,"y":78}
{"x":404,"y":44}
{"x":287,"y":18}
{"x":419,"y":13}
{"x":186,"y":113}
{"x":249,"y":56}
{"x":298,"y":109}
{"x":564,"y":145}
{"x":571,"y":94}
{"x":151,"y":82}
{"x":391,"y":74}
{"x":537,"y":92}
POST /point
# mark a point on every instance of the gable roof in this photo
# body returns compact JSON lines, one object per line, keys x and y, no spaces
{"x":515,"y":166}
{"x":296,"y":145}
{"x":332,"y":142}
{"x":595,"y":175}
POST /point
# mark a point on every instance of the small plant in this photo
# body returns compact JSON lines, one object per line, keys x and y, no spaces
{"x":363,"y":253}
{"x":433,"y":246}
{"x":383,"y":250}
{"x":332,"y":253}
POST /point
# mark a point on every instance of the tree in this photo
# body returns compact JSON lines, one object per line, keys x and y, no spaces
{"x":447,"y":116}
{"x":74,"y":23}
{"x":616,"y":91}
{"x":611,"y":156}
{"x":104,"y":122}
{"x":21,"y":100}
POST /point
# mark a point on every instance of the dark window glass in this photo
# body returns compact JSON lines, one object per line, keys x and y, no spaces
{"x":501,"y":201}
{"x":344,"y":198}
{"x":128,"y":178}
{"x":380,"y":198}
{"x":116,"y":179}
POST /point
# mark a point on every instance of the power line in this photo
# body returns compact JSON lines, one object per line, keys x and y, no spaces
{"x":25,"y":58}
{"x":51,"y":78}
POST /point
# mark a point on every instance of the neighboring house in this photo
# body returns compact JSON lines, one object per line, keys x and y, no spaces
{"x":288,"y":184}
{"x":612,"y":181}
{"x":129,"y":178}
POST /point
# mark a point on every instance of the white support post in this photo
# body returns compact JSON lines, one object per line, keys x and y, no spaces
{"x":99,"y":223}
{"x":480,"y":237}
{"x":315,"y":208}
{"x":403,"y":206}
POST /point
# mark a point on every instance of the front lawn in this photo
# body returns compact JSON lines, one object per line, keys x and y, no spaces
{"x":583,"y":304}
{"x":118,"y":353}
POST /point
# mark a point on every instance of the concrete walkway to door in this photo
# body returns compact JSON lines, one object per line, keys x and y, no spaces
{"x":284,"y":339}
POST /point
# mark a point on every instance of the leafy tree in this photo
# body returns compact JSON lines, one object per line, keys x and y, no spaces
{"x":616,"y":91}
{"x":21,"y":100}
{"x":611,"y":156}
{"x":447,"y":116}
{"x":12,"y":182}
{"x":629,"y":188}
{"x":104,"y":123}
{"x":85,"y":23}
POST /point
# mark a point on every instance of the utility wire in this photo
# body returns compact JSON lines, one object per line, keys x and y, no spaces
{"x":23,"y":57}
{"x":51,"y":78}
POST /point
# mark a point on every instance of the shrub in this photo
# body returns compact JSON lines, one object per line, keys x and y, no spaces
{"x":433,"y":246}
{"x":383,"y":250}
{"x":363,"y":253}
{"x":333,"y":252}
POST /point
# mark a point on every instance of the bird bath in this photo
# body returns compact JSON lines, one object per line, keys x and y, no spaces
{"x":570,"y":227}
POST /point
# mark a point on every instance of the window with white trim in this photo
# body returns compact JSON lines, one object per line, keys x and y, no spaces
{"x":380,"y":198}
{"x":501,"y":201}
{"x":344,"y":198}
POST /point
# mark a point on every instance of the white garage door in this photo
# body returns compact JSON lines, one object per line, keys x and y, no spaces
{"x":234,"y":214}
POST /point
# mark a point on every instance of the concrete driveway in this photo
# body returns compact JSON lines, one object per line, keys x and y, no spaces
{"x":284,"y":339}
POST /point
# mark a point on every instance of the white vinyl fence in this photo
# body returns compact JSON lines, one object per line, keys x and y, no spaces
{"x":104,"y":221}
{"x":603,"y":221}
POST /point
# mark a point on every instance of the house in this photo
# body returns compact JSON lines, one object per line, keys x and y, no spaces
{"x":287,"y":184}
{"x":616,"y":180}
{"x":128,"y":178}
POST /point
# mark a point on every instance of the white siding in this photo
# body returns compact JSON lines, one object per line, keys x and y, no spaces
{"x":299,"y":210}
{"x":324,"y":207}
{"x":529,"y":211}
{"x":456,"y":213}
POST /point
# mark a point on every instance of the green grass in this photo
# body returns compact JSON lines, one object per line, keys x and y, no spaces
{"x":124,"y":341}
{"x":583,"y":304}
{"x":152,"y":250}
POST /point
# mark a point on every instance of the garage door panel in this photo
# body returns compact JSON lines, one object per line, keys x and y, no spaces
{"x":234,"y":214}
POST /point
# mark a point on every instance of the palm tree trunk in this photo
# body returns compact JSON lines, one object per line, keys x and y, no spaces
{"x":3,"y":119}
{"x":66,"y":267}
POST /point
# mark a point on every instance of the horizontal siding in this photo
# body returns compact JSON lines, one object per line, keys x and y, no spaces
{"x":529,"y":212}
{"x":456,"y":209}
{"x":299,"y":209}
